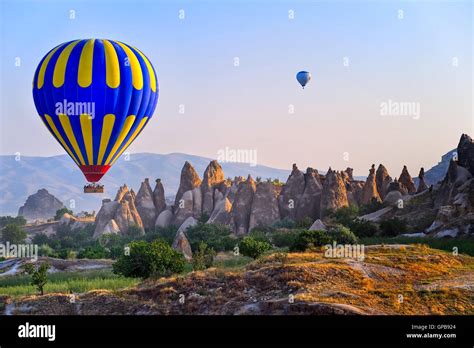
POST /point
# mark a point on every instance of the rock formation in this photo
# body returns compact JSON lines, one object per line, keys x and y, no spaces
{"x":213,"y":176}
{"x":145,"y":205}
{"x":40,"y":206}
{"x":309,"y":202}
{"x":421,"y":181}
{"x":370,"y":193}
{"x":291,"y":193}
{"x":406,"y":180}
{"x":264,"y":210}
{"x":465,"y":152}
{"x":181,"y":244}
{"x":334,"y":194}
{"x":221,"y":212}
{"x":242,"y":206}
{"x":159,"y":197}
{"x":189,"y":180}
{"x":383,"y":180}
{"x":164,"y":219}
{"x":120,"y":213}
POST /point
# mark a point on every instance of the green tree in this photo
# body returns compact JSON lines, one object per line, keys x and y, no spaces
{"x":149,"y":259}
{"x":61,"y":212}
{"x":13,"y":234}
{"x":39,"y":275}
{"x":216,"y":236}
{"x":203,"y":257}
{"x":253,"y":248}
{"x":310,"y":239}
{"x":342,"y":235}
{"x":7,"y":220}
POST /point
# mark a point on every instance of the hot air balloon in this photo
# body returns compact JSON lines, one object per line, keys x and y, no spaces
{"x":303,"y":78}
{"x":95,"y":97}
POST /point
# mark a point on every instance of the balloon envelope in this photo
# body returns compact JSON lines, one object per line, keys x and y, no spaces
{"x":95,"y":97}
{"x":303,"y":78}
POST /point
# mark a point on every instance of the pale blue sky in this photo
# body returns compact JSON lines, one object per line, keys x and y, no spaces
{"x":246,"y":107}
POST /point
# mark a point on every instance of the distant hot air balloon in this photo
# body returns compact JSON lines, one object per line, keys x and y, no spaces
{"x":95,"y":97}
{"x":303,"y":78}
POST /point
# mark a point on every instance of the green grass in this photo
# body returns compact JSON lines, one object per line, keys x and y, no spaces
{"x":463,"y":245}
{"x":65,"y":282}
{"x":234,"y":262}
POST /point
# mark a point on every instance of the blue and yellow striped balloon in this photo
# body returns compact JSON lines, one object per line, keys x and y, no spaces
{"x":95,"y":97}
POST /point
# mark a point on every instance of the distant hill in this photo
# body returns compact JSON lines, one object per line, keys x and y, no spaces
{"x":437,"y":172}
{"x":59,"y":175}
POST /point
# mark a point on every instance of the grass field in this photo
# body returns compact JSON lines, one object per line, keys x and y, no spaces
{"x":66,"y":282}
{"x":463,"y":245}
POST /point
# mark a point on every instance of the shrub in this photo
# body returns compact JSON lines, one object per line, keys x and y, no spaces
{"x":305,"y":223}
{"x":9,"y":220}
{"x":374,"y":205}
{"x":284,"y":238}
{"x":39,"y":275}
{"x":93,"y":252}
{"x":61,"y":212}
{"x":134,"y":231}
{"x":393,"y":227}
{"x":342,"y":235}
{"x":216,"y":236}
{"x":284,"y":223}
{"x":167,"y":234}
{"x":40,"y":239}
{"x":345,"y":215}
{"x":252,"y":247}
{"x":149,"y":259}
{"x":13,"y":234}
{"x":310,"y":239}
{"x":259,"y":235}
{"x":203,"y":257}
{"x":363,"y":228}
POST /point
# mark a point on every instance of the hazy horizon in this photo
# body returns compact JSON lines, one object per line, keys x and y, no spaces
{"x":365,"y":58}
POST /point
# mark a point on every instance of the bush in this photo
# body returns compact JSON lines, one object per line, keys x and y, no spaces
{"x":252,"y":247}
{"x":374,"y":205}
{"x":149,"y":259}
{"x":13,"y":234}
{"x":345,"y":215}
{"x":9,"y":220}
{"x":93,"y":252}
{"x":305,"y":223}
{"x":363,"y":228}
{"x":259,"y":235}
{"x":342,"y":235}
{"x":284,"y":238}
{"x":203,"y":257}
{"x":167,"y":234}
{"x":40,"y":239}
{"x":216,"y":236}
{"x":61,"y":212}
{"x":39,"y":275}
{"x":284,"y":223}
{"x":310,"y":239}
{"x":393,"y":227}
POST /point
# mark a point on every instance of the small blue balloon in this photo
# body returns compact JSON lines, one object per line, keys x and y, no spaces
{"x":303,"y":78}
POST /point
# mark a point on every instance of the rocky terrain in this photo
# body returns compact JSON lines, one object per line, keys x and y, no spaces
{"x":40,"y":206}
{"x":443,"y":209}
{"x":396,"y":279}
